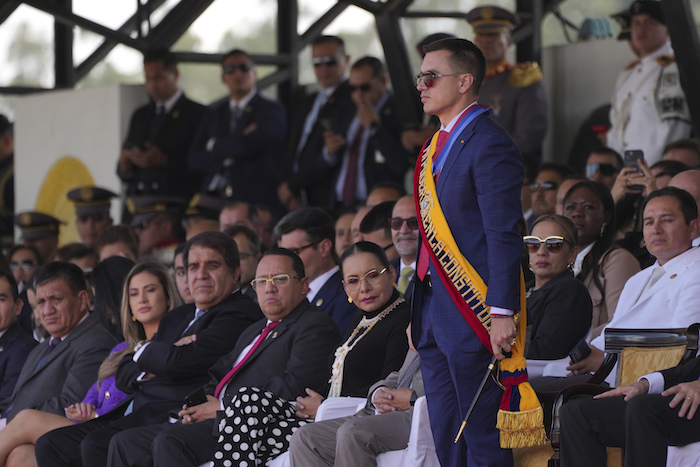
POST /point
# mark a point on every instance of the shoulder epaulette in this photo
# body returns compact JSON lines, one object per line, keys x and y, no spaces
{"x":632,"y":65}
{"x":525,"y":74}
{"x":665,"y":60}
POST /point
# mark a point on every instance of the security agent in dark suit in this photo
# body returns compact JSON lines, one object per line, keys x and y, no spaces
{"x":293,"y":357}
{"x":239,"y":147}
{"x":370,"y":150}
{"x":15,"y":344}
{"x":154,"y":155}
{"x":310,"y":233}
{"x":60,"y":370}
{"x":309,"y":178}
{"x":163,"y":371}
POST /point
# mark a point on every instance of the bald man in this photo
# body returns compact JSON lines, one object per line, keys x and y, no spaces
{"x":689,"y":180}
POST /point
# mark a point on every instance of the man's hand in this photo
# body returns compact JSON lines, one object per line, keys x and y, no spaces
{"x":250,"y":129}
{"x":392,"y":400}
{"x":186,"y":340}
{"x":200,"y":412}
{"x":333,"y":141}
{"x":589,"y":364}
{"x":628,"y":177}
{"x":150,"y":157}
{"x":80,"y":412}
{"x":308,"y":406}
{"x":629,"y":391}
{"x":126,"y":160}
{"x":503,"y":332}
{"x":287,"y":198}
{"x":687,"y":394}
{"x":365,"y":110}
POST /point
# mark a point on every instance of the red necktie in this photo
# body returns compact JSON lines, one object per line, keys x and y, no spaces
{"x":351,"y":173}
{"x":261,"y":338}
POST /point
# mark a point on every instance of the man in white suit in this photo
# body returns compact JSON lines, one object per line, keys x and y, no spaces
{"x":666,"y":294}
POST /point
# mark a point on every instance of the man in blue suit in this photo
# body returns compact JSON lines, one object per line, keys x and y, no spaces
{"x":239,"y":145}
{"x":478,"y":172}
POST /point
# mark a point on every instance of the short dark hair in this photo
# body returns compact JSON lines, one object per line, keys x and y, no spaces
{"x":670,"y":168}
{"x":12,"y":281}
{"x":252,"y":213}
{"x":80,"y":253}
{"x":466,"y":58}
{"x":217,"y":241}
{"x":562,"y":169}
{"x":365,"y":247}
{"x":377,"y":218}
{"x":315,"y":222}
{"x":390,"y":185}
{"x":297,"y":263}
{"x":252,"y":237}
{"x":235,"y":52}
{"x":161,"y":55}
{"x":115,"y":234}
{"x":687,"y":143}
{"x":373,"y":63}
{"x":179,"y":249}
{"x":69,"y":273}
{"x":429,"y":39}
{"x":325,"y":39}
{"x":686,"y":200}
{"x":606,"y":151}
{"x":22,"y":246}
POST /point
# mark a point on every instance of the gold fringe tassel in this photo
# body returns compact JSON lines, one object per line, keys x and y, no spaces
{"x":521,"y":429}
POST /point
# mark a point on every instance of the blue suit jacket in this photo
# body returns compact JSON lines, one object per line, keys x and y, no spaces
{"x":479,"y":192}
{"x":258,"y":155}
{"x":15,"y":346}
{"x":333,"y":301}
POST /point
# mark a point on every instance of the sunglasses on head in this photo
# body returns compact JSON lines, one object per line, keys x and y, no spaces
{"x":328,"y":61}
{"x":552,"y":243}
{"x":364,"y":87}
{"x":428,"y":77}
{"x":604,"y":169}
{"x":545,"y":186}
{"x":244,"y":67}
{"x":397,"y":222}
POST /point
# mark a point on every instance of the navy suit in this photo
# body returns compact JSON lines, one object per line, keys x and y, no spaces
{"x":257,"y":154}
{"x":333,"y":301}
{"x":479,"y":192}
{"x":15,"y":346}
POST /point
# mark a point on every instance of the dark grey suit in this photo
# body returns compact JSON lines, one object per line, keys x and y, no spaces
{"x":294,"y":357}
{"x":358,"y":439}
{"x":65,"y":375}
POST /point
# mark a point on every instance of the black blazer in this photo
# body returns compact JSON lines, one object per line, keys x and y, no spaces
{"x":314,"y":176}
{"x":173,"y":140}
{"x":258,"y":155}
{"x":689,"y":371}
{"x":333,"y":301}
{"x":294,"y":357}
{"x":15,"y":346}
{"x":180,"y":370}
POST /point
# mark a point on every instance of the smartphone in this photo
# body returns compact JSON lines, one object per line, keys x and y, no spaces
{"x":327,"y":124}
{"x":631,"y":159}
{"x":581,"y":351}
{"x":196,"y":398}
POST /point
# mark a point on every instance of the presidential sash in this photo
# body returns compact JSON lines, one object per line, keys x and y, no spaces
{"x":520,"y":414}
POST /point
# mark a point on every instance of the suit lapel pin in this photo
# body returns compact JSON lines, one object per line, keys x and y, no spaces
{"x":461,"y":142}
{"x":673,"y":276}
{"x":319,"y":302}
{"x":175,"y":113}
{"x":274,"y":335}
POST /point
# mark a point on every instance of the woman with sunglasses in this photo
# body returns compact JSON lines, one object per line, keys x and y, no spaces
{"x":24,"y":260}
{"x":601,"y":265}
{"x":148,"y":294}
{"x":558,"y":306}
{"x":374,"y":346}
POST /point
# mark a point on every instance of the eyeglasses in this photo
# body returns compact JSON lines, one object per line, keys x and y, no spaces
{"x":397,"y":222}
{"x":298,"y":250}
{"x":604,"y":169}
{"x":364,"y":87}
{"x":545,"y":186}
{"x":552,"y":243}
{"x":244,"y":67}
{"x":373,"y":277}
{"x":328,"y":61}
{"x":428,"y":78}
{"x":26,"y":265}
{"x":280,"y":280}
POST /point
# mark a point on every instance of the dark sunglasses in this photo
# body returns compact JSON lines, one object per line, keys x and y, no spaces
{"x":545,"y":186}
{"x":428,"y":78}
{"x":26,"y":265}
{"x":397,"y":222}
{"x":364,"y":87}
{"x":328,"y":61}
{"x":604,"y":169}
{"x":552,"y":243}
{"x":244,"y":67}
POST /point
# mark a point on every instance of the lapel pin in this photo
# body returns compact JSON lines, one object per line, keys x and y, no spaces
{"x":673,"y":276}
{"x":274,"y":335}
{"x":319,"y":302}
{"x":462,"y":141}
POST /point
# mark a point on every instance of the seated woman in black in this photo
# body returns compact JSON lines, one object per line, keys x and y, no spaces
{"x":374,"y":346}
{"x":559,"y":307}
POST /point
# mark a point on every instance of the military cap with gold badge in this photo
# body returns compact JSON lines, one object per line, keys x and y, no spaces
{"x":35,"y":225}
{"x":91,"y":200}
{"x":146,"y":207}
{"x":205,"y":206}
{"x":491,"y":19}
{"x":648,"y":7}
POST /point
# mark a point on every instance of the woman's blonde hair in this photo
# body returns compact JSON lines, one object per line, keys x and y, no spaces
{"x":133,"y":330}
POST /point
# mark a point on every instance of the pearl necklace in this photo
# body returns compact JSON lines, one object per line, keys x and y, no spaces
{"x":363,"y":327}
